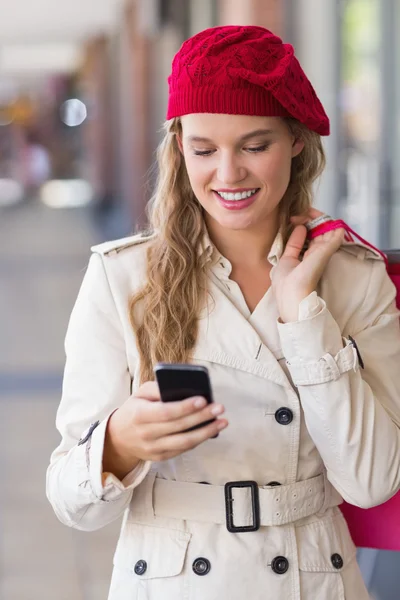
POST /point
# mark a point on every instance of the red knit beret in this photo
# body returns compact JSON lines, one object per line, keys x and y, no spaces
{"x":242,"y":70}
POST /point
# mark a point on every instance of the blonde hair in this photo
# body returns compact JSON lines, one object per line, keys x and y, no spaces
{"x":176,"y":283}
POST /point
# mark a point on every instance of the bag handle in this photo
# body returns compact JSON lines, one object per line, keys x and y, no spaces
{"x":337,"y":224}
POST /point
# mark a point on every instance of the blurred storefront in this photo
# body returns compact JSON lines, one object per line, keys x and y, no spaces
{"x":369,"y":101}
{"x":352,"y":53}
{"x":349,"y":49}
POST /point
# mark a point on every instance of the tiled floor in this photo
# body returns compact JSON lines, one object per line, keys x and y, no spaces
{"x":43,"y":254}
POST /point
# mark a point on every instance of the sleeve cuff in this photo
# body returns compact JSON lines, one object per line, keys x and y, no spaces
{"x":314,"y":349}
{"x":311,"y":337}
{"x":106,"y":486}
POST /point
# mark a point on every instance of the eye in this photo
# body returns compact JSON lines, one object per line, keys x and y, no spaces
{"x":203,"y":152}
{"x":255,"y":149}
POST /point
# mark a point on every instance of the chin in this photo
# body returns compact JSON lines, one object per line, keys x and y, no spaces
{"x":236,"y":222}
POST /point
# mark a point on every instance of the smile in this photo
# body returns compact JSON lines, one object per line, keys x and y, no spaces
{"x":237,"y":195}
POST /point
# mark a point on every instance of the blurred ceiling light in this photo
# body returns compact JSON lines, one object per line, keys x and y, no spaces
{"x":66,"y":193}
{"x":73,"y":112}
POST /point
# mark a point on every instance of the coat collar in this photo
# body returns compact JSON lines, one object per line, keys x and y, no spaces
{"x":213,"y":255}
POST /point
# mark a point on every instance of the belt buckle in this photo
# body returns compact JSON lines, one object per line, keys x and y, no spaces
{"x":229,"y":506}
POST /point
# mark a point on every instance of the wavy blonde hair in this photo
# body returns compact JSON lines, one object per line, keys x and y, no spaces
{"x":164,"y":313}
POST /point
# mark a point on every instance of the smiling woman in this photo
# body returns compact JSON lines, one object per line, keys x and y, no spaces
{"x":196,"y":166}
{"x":248,"y":156}
{"x":227,"y":279}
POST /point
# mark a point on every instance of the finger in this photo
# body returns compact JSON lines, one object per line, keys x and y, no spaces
{"x":329,"y":239}
{"x":295,"y":243}
{"x":164,"y":412}
{"x":183,"y":424}
{"x":182,"y":442}
{"x":338,"y":238}
{"x":149,"y":391}
{"x":319,"y":254}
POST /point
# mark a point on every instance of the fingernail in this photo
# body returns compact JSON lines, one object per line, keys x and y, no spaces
{"x":200,"y":402}
{"x":222,"y":425}
{"x":217,"y":410}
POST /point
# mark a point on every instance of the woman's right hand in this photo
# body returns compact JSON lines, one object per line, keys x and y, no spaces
{"x":145,"y":428}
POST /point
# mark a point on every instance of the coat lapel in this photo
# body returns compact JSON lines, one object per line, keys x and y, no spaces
{"x":225,"y":336}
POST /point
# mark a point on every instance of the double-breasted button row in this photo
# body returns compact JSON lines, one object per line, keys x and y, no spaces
{"x":284,"y":416}
{"x":202,"y":566}
{"x":280,"y":564}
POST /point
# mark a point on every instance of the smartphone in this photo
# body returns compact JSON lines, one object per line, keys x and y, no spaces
{"x":181,"y":381}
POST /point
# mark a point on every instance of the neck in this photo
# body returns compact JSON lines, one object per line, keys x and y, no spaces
{"x":245,"y":247}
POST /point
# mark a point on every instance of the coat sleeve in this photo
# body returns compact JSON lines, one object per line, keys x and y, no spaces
{"x":96,"y":382}
{"x":352,"y":414}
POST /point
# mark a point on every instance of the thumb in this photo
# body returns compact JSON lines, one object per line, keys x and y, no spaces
{"x":295,"y":243}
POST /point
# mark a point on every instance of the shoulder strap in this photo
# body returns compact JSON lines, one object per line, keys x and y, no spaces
{"x":116,"y":246}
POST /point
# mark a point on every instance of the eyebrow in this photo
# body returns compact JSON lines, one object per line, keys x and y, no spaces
{"x":243,"y":138}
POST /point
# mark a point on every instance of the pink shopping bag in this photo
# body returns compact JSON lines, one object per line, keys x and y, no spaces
{"x":377,"y":527}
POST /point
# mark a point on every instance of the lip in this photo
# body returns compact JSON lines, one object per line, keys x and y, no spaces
{"x":236,"y":204}
{"x":236,"y":191}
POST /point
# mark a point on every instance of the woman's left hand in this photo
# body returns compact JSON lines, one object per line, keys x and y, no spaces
{"x":293,"y":279}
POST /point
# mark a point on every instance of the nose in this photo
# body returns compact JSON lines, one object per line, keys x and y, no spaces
{"x":230,"y":169}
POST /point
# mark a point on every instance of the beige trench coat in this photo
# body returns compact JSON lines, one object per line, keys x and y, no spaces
{"x":302,"y":414}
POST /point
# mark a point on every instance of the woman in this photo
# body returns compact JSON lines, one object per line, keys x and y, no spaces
{"x":226,"y":280}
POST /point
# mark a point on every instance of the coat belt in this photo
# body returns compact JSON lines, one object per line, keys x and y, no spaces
{"x":278,"y":505}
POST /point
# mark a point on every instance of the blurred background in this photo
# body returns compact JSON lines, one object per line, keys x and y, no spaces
{"x":82,"y":99}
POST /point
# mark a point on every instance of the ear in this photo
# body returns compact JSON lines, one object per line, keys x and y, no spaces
{"x":297,"y":147}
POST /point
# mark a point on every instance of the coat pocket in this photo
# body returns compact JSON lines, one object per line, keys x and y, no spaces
{"x":327,"y":560}
{"x":148,"y":563}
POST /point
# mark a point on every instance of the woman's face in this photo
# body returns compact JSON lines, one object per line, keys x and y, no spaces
{"x":238,"y":166}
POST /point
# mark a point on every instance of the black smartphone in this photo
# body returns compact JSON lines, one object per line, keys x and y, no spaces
{"x":181,"y":381}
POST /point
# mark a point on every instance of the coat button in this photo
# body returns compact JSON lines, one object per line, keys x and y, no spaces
{"x":88,"y":434}
{"x":280,"y":565}
{"x":360,"y":360}
{"x":337,"y":561}
{"x":284,"y":416}
{"x":201,"y":566}
{"x":141,"y":567}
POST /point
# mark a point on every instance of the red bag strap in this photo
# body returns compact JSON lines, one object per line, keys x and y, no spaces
{"x":337,"y":224}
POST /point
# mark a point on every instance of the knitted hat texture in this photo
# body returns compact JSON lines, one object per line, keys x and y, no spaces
{"x":242,"y":70}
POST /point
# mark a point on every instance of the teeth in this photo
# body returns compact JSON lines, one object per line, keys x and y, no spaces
{"x":237,"y":196}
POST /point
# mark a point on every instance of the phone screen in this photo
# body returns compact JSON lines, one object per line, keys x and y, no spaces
{"x":181,"y":381}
